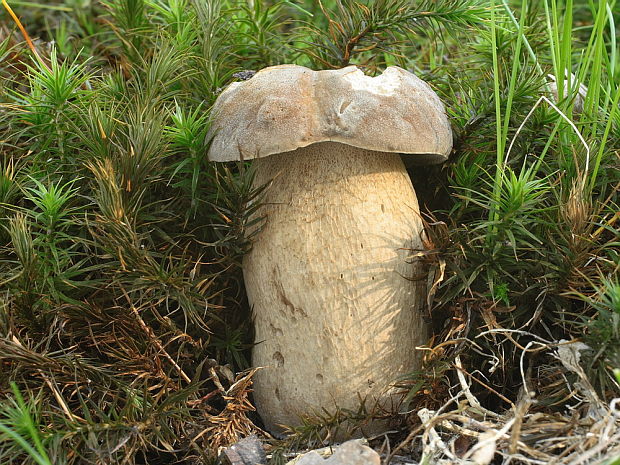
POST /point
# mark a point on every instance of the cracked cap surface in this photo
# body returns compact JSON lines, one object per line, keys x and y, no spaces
{"x":283,"y":108}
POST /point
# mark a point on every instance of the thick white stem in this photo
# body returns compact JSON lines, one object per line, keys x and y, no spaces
{"x":337,"y":301}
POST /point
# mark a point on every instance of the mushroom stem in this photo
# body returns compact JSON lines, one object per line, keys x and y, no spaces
{"x":336,"y":298}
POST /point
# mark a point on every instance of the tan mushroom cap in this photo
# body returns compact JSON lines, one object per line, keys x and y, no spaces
{"x":283,"y":108}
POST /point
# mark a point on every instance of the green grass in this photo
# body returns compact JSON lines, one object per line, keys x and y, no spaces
{"x":18,"y":422}
{"x":123,"y":308}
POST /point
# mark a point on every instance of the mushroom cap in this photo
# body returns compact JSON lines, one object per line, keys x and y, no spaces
{"x":286,"y":107}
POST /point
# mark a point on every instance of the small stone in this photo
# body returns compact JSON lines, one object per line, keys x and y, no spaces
{"x":311,"y":458}
{"x":354,"y":453}
{"x":248,"y":451}
{"x":350,"y":453}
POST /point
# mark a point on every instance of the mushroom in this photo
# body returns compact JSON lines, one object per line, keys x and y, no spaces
{"x":337,"y":300}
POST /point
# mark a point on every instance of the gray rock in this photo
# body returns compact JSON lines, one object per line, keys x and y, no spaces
{"x":247,"y":451}
{"x":349,"y":453}
{"x":311,"y":458}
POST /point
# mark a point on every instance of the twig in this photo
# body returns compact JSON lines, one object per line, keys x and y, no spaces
{"x":520,"y":412}
{"x":493,"y":439}
{"x":473,"y":401}
{"x":583,"y":458}
{"x":59,"y":399}
{"x":471,"y":398}
{"x":435,"y":440}
{"x":413,"y":433}
{"x":155,"y":340}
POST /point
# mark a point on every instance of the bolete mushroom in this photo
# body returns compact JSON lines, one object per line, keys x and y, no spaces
{"x":336,"y":298}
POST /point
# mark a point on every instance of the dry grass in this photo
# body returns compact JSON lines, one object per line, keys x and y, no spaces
{"x":557,"y":417}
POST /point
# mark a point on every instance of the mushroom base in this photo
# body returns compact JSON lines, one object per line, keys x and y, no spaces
{"x":336,"y":295}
